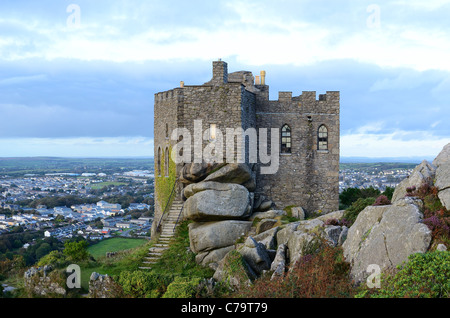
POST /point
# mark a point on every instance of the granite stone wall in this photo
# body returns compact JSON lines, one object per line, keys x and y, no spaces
{"x":307,"y":177}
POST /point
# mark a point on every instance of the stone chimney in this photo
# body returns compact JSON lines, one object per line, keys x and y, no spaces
{"x":220,"y":72}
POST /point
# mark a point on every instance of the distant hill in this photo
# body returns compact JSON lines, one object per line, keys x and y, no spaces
{"x":381,"y":166}
{"x":414,"y":160}
{"x":40,"y":165}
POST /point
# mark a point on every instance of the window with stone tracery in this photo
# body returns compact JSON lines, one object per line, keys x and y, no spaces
{"x":286,"y":139}
{"x":322,"y":138}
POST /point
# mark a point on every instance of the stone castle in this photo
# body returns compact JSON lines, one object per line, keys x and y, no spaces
{"x":308,"y":173}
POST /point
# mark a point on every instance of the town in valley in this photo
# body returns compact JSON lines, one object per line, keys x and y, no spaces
{"x":92,"y":200}
{"x":114,"y":199}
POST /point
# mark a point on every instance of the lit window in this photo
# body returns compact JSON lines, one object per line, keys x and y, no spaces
{"x":286,"y":139}
{"x":322,"y":138}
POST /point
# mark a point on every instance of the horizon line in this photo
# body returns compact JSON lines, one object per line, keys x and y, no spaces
{"x":343,"y":159}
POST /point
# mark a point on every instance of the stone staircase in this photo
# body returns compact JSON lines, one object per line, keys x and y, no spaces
{"x":167,"y":233}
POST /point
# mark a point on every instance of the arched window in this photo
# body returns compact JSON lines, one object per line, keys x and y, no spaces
{"x":286,"y":139}
{"x":158,"y":162}
{"x":322,"y":138}
{"x":166,"y":162}
{"x":167,"y":131}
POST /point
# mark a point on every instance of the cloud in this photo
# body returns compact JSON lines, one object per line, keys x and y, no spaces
{"x":22,"y":79}
{"x":395,"y":144}
{"x":98,"y":79}
{"x":77,"y":147}
{"x":429,"y":5}
{"x":256,"y":32}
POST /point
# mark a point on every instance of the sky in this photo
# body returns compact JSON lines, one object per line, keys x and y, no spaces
{"x":78,"y":77}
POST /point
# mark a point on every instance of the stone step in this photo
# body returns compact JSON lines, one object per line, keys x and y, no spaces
{"x":167,"y":233}
{"x":154,"y":255}
{"x":158,"y":249}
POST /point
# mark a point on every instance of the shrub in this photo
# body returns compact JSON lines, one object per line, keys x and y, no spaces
{"x":183,"y":287}
{"x":351,"y":195}
{"x":9,"y":267}
{"x":436,"y":216}
{"x":325,"y":274}
{"x":140,"y":284}
{"x":410,"y":191}
{"x":352,"y":212}
{"x":382,"y":200}
{"x":332,"y":222}
{"x":55,"y":258}
{"x":439,"y":226}
{"x":341,"y":222}
{"x":425,"y":275}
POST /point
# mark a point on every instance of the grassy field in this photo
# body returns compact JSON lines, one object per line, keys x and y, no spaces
{"x":130,"y":258}
{"x":114,"y":245}
{"x":113,"y":266}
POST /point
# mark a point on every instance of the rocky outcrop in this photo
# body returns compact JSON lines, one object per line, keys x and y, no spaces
{"x":196,"y":172}
{"x":239,"y":173}
{"x":208,"y":236}
{"x":271,"y":214}
{"x":436,"y":173}
{"x":103,"y":286}
{"x":230,"y":223}
{"x":234,"y":271}
{"x":423,"y":173}
{"x":301,"y":237}
{"x":279,"y":263}
{"x":442,"y":178}
{"x":45,"y":281}
{"x":385,"y":236}
{"x":255,"y":255}
{"x":219,"y":200}
{"x":298,"y":212}
{"x":212,"y":201}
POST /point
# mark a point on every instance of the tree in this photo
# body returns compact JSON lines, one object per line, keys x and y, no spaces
{"x":43,"y":250}
{"x":349,"y":195}
{"x":76,"y":251}
{"x":389,"y":192}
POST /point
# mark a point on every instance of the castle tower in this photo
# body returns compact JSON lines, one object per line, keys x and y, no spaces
{"x":308,"y":173}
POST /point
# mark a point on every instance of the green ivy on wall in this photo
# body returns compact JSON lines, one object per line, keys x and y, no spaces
{"x":164,"y":183}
